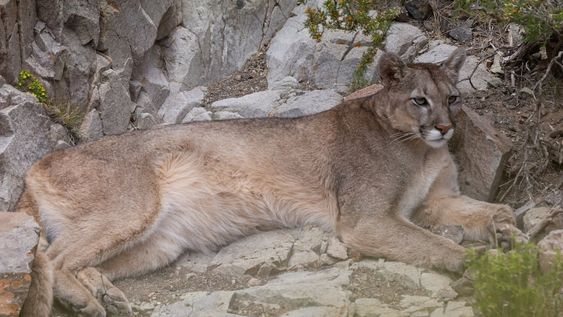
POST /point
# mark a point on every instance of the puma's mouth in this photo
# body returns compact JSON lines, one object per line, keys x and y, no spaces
{"x":436,"y":138}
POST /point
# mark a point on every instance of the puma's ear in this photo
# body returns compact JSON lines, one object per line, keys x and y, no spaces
{"x":454,"y":63}
{"x":391,"y":68}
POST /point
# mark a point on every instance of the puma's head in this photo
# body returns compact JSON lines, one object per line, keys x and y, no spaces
{"x":421,"y":97}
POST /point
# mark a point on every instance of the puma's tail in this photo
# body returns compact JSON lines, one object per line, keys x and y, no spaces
{"x":39,"y":300}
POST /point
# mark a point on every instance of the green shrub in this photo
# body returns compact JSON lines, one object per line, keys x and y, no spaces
{"x":28,"y":82}
{"x":65,"y":114}
{"x":351,"y":16}
{"x":512,"y":284}
{"x":540,"y":18}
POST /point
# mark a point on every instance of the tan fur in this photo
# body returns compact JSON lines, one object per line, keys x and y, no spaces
{"x":130,"y":204}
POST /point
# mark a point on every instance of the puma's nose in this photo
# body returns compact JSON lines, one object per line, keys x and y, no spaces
{"x":443,"y":128}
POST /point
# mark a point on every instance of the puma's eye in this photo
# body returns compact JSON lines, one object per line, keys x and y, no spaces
{"x":452,"y":99}
{"x":421,"y":101}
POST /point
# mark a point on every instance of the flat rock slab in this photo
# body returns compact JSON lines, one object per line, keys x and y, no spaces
{"x":19,"y":235}
{"x":281,"y":273}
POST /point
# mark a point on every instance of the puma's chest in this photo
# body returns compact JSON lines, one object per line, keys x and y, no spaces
{"x":421,"y":180}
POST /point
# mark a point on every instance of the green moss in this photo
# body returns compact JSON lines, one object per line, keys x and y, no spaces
{"x":512,"y":284}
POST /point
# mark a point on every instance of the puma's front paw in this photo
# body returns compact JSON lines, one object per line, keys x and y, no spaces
{"x":503,"y":228}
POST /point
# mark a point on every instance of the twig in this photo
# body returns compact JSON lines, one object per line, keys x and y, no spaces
{"x":548,"y":70}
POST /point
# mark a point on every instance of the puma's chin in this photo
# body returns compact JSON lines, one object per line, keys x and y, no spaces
{"x":436,"y":143}
{"x":435,"y":139}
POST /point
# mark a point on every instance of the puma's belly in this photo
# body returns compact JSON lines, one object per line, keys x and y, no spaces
{"x":204,"y":207}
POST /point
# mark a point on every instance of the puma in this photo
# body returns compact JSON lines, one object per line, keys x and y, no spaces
{"x":130,"y":204}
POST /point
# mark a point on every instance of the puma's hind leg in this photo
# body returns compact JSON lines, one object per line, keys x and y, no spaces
{"x":154,"y":252}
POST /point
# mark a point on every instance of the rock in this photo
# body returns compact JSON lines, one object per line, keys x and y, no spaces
{"x":178,"y":105}
{"x":437,"y":53}
{"x":215,"y":27}
{"x":10,"y":52}
{"x":463,"y":286}
{"x":226,"y":115}
{"x":308,"y":103}
{"x":337,"y":249}
{"x":149,"y":73}
{"x":198,"y":304}
{"x":26,"y":134}
{"x":197,"y":114}
{"x":127,"y":30}
{"x":79,"y":66}
{"x":438,"y":284}
{"x":367,"y":307}
{"x":419,"y":9}
{"x":47,"y":55}
{"x":286,"y":83}
{"x":454,"y":309}
{"x":329,"y":64}
{"x":82,"y":17}
{"x":248,"y":255}
{"x":481,"y":153}
{"x":461,"y":34}
{"x":19,"y":235}
{"x":362,"y":288}
{"x":258,"y":104}
{"x":296,"y":292}
{"x":534,"y":216}
{"x":404,"y":40}
{"x":91,"y":126}
{"x":170,"y":20}
{"x":115,"y":105}
{"x":307,"y":247}
{"x":515,"y":34}
{"x":183,"y":59}
{"x":481,"y":78}
{"x":549,"y":248}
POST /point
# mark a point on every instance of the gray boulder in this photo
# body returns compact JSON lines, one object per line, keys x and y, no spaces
{"x":179,"y":104}
{"x":115,"y":106}
{"x":481,"y":153}
{"x":308,"y":103}
{"x":197,"y":114}
{"x":258,"y":104}
{"x":404,"y":40}
{"x":329,"y":64}
{"x":224,"y":34}
{"x":17,"y":19}
{"x":26,"y":134}
{"x":480,"y":79}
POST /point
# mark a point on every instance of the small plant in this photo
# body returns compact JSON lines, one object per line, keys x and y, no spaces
{"x":65,"y":114}
{"x":541,"y":19}
{"x":351,"y":16}
{"x":512,"y":284}
{"x":28,"y":82}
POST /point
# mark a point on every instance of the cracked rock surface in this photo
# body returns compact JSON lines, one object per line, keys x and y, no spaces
{"x":291,"y":272}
